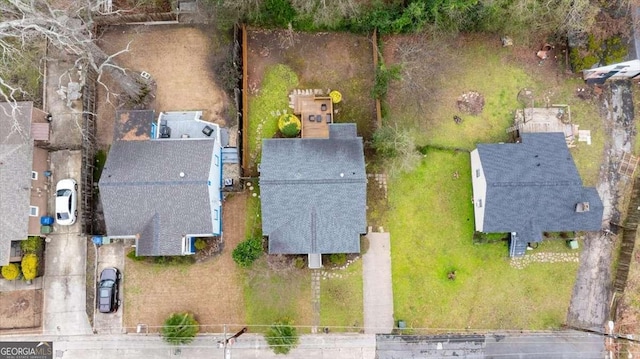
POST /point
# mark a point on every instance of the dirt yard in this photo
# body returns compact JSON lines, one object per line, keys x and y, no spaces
{"x":337,"y":61}
{"x":180,"y":59}
{"x":212,"y":289}
{"x":21,"y":309}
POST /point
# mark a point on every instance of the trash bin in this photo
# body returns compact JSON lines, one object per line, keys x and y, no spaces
{"x":97,"y":240}
{"x":46,"y":220}
{"x":572,"y":243}
{"x":402,"y":324}
{"x":45,"y":229}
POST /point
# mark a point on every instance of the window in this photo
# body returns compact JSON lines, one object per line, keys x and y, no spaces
{"x":479,"y":203}
{"x":34,"y":175}
{"x":478,"y":172}
{"x":215,"y":214}
{"x":33,"y":211}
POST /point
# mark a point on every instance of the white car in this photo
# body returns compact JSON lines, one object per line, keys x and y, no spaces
{"x":66,"y":193}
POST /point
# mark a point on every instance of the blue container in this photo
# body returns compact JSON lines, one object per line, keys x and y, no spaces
{"x":97,"y":240}
{"x":46,"y":220}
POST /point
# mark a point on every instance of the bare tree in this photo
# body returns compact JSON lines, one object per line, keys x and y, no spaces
{"x":66,"y":27}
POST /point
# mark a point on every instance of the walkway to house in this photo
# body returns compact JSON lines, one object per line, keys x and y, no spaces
{"x":378,"y":292}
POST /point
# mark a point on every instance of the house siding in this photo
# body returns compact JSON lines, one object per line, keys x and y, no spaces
{"x":39,"y":189}
{"x":214,"y":184}
{"x":479,"y":183}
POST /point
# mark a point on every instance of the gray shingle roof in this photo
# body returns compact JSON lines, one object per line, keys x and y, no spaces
{"x":534,"y":186}
{"x":16,"y":160}
{"x":143,"y":194}
{"x":313,"y":193}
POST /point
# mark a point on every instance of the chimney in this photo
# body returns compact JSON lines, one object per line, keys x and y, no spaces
{"x":582,"y":207}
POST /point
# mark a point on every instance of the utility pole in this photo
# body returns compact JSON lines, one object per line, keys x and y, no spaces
{"x":229,"y":341}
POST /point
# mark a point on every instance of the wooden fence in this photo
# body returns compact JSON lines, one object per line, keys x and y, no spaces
{"x":629,"y":230}
{"x":245,"y":119}
{"x":121,"y":19}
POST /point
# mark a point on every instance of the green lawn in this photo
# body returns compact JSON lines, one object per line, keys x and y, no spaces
{"x":481,"y":65}
{"x":341,"y":299}
{"x":272,"y":98}
{"x":272,"y":295}
{"x":430,"y":214}
{"x":432,"y":237}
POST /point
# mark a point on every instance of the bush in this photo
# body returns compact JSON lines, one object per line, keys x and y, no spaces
{"x":132,"y":255}
{"x":33,"y":244}
{"x":276,"y":13}
{"x":364,"y":245}
{"x":391,"y":142}
{"x":174,"y":260}
{"x":299,"y":263}
{"x":338,"y":259}
{"x":336,"y":96}
{"x":282,"y":337}
{"x":11,"y":271}
{"x":180,"y":328}
{"x":384,"y":76}
{"x":289,"y":125}
{"x":200,"y":244}
{"x":247,"y":252}
{"x":614,"y":50}
{"x":29,"y":266}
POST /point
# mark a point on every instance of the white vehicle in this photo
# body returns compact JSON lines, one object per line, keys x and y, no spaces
{"x":66,"y":193}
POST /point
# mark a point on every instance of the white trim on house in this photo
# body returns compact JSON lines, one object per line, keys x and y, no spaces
{"x":215,"y":183}
{"x":34,"y":211}
{"x":479,"y":183}
{"x":34,"y":175}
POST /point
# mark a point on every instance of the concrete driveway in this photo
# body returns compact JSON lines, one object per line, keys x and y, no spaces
{"x":377,"y":287}
{"x":65,"y":275}
{"x":110,"y":255}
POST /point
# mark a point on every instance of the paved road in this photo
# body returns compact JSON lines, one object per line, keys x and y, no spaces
{"x":566,"y":345}
{"x":378,"y":291}
{"x":248,"y":346}
{"x":65,"y":277}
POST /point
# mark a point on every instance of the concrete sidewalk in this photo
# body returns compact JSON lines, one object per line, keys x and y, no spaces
{"x":378,"y":289}
{"x":248,"y":346}
{"x":11,"y":285}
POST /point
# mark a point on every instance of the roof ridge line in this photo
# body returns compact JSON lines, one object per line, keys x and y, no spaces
{"x":536,"y":183}
{"x":145,"y":183}
{"x":314,"y":181}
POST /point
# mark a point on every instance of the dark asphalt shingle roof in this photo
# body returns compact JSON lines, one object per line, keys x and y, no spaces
{"x":16,"y":161}
{"x":143,"y":194}
{"x":313,"y":193}
{"x":534,"y":186}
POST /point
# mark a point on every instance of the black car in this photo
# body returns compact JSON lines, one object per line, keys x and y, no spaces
{"x":108,"y":290}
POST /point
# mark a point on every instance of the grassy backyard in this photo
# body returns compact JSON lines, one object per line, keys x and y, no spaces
{"x":432,"y":236}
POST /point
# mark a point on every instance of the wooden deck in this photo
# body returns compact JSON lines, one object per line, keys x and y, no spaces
{"x":315,"y":113}
{"x":552,"y":119}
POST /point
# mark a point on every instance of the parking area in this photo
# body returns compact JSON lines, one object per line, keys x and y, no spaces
{"x":64,"y":280}
{"x":110,"y":255}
